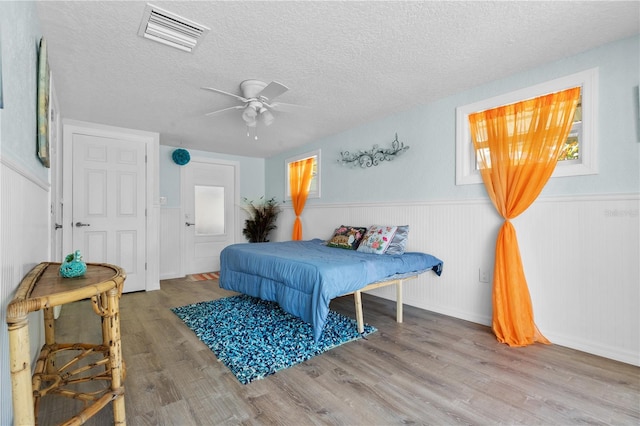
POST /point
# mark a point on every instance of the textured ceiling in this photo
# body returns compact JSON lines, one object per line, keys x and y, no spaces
{"x":349,"y":62}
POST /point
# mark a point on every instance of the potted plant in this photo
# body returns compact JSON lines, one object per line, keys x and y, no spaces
{"x":262,"y":219}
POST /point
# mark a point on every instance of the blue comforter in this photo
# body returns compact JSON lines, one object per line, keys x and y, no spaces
{"x":303,"y":276}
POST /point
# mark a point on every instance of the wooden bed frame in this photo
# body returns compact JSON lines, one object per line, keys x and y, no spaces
{"x":358,"y":298}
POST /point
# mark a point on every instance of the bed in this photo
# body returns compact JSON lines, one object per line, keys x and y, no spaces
{"x":303,"y":276}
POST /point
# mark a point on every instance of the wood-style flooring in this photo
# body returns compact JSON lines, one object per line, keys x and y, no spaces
{"x":432,"y":369}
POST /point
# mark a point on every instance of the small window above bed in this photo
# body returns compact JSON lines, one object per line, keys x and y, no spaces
{"x":580,"y":153}
{"x":314,"y":185}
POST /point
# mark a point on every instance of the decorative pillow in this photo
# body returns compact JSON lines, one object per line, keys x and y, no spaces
{"x":377,"y":239}
{"x":399,"y":242}
{"x":347,"y":237}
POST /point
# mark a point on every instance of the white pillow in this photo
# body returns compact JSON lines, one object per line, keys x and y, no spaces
{"x":377,"y":239}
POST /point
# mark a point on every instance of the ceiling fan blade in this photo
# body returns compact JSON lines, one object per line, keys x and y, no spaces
{"x":225,"y":109}
{"x":284,"y":107}
{"x":226,"y":93}
{"x":273,"y":90}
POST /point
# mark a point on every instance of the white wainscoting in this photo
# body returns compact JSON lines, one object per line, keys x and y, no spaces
{"x":580,"y":256}
{"x":171,"y":224}
{"x":24,"y":236}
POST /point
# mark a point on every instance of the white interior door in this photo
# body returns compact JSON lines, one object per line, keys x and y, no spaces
{"x":109,"y":204}
{"x":208,"y":203}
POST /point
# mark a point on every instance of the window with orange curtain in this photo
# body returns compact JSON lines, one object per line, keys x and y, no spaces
{"x":300,"y":174}
{"x":518,"y":146}
{"x":517,"y":127}
{"x":315,"y":184}
{"x":580,"y":154}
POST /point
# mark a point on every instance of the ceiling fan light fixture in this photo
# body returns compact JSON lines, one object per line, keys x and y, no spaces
{"x":257,"y":104}
{"x":267,"y":117}
{"x":249,"y":114}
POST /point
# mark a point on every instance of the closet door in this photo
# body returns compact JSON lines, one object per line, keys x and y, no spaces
{"x":109,"y":204}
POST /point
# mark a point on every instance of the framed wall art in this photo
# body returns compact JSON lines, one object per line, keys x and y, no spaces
{"x":42,"y":143}
{"x":1,"y":99}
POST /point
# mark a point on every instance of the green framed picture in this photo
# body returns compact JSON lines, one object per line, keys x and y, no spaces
{"x":42,"y":143}
{"x":1,"y":99}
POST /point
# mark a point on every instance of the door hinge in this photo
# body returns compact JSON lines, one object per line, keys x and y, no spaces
{"x":145,"y":266}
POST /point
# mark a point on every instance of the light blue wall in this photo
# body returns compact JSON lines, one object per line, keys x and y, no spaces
{"x":19,"y":38}
{"x":20,"y":35}
{"x":427,"y":170}
{"x":251,"y":174}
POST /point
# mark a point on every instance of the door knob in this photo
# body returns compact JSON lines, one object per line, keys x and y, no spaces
{"x":79,"y":224}
{"x":57,"y":226}
{"x":189,"y":224}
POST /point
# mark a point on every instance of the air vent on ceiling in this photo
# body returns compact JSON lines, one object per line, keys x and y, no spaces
{"x":170,"y":29}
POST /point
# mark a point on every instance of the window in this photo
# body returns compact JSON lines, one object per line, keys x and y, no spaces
{"x":579,"y":157}
{"x":209,"y":210}
{"x":314,"y":185}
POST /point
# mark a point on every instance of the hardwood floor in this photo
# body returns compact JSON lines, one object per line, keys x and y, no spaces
{"x":432,"y":369}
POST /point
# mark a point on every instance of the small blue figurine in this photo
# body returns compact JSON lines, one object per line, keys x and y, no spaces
{"x":73,"y":266}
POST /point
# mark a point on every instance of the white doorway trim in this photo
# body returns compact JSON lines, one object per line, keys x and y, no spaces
{"x":152,"y":142}
{"x":55,"y":194}
{"x":183,"y":208}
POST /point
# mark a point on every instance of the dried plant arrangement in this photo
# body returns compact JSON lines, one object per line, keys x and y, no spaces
{"x":262,"y":219}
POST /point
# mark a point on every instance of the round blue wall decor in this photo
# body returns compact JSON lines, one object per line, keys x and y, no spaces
{"x":181,"y":156}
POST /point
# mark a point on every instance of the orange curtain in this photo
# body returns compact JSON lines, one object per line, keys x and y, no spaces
{"x":300,"y":174}
{"x":518,"y":146}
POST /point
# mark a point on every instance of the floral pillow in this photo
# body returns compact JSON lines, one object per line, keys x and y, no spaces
{"x":377,"y":239}
{"x":399,"y":241}
{"x":347,"y":237}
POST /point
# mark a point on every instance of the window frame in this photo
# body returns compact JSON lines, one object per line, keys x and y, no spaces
{"x":466,"y":170}
{"x":312,"y":194}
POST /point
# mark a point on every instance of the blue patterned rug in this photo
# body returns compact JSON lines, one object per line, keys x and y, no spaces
{"x":255,"y":338}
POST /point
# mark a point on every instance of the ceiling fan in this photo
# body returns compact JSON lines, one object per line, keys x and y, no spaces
{"x":257,"y":101}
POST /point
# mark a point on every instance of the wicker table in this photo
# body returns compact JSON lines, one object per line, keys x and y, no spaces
{"x":42,"y":289}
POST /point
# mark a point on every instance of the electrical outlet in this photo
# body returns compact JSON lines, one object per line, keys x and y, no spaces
{"x":483,"y":275}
